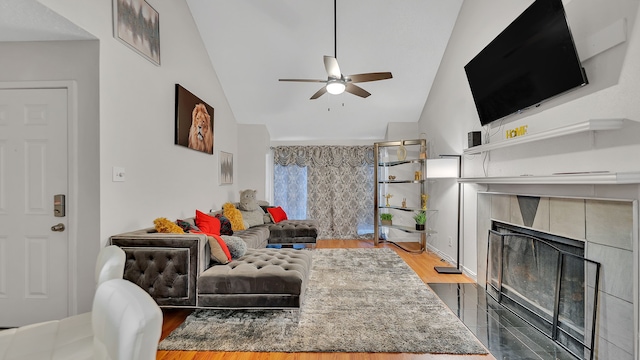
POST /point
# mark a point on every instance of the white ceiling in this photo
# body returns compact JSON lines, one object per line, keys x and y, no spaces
{"x":28,"y":20}
{"x":253,"y":43}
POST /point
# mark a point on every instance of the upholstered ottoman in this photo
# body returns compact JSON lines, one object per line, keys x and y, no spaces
{"x":262,"y":278}
{"x":294,"y":232}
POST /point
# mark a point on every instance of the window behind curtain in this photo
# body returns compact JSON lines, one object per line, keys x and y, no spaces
{"x":290,"y":190}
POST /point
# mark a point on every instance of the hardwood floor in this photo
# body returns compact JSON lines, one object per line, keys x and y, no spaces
{"x":422,"y":264}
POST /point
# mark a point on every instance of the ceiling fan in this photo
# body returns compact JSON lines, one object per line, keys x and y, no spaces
{"x":336,"y":82}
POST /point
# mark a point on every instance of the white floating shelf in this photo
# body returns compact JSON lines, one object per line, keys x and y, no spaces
{"x":587,"y":178}
{"x":589,"y":125}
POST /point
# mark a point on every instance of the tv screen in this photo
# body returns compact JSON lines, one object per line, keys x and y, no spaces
{"x":532,"y":60}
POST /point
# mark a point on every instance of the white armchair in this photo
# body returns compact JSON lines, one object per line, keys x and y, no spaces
{"x":122,"y":330}
{"x":127,"y":322}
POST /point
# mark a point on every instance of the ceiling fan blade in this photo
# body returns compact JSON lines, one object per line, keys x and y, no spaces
{"x":331,"y":64}
{"x":319,"y":93}
{"x":303,"y":80}
{"x":357,"y":90}
{"x":358,"y":78}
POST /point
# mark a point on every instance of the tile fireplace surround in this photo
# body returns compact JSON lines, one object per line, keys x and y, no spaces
{"x":607,"y":228}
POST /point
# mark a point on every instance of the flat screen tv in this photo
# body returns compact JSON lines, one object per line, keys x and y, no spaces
{"x":532,"y":60}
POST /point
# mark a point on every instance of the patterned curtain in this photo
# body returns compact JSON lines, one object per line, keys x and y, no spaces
{"x":290,"y":190}
{"x":339,"y":187}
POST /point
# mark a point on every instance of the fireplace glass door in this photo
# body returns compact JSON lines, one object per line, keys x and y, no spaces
{"x":546,"y":282}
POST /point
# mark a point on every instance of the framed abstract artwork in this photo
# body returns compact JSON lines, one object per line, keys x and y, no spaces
{"x":226,"y":168}
{"x":137,"y":25}
{"x":194,"y":122}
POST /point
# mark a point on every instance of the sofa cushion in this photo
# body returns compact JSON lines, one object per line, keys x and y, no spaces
{"x":277,"y":214}
{"x":261,"y":272}
{"x":293,"y":232}
{"x":255,"y":237}
{"x":188,"y":225}
{"x":207,"y":224}
{"x":225,"y":225}
{"x":234,"y":215}
{"x":219,"y":250}
{"x":237,"y":247}
{"x":164,"y":225}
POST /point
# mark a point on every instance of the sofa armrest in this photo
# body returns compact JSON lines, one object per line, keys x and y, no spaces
{"x":165,"y":265}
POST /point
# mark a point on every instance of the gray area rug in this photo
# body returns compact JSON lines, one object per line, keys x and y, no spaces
{"x":357,"y":300}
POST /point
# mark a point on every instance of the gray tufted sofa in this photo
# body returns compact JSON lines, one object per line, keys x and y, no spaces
{"x":175,"y":269}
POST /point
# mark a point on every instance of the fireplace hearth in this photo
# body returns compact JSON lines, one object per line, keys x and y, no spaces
{"x":545,"y":280}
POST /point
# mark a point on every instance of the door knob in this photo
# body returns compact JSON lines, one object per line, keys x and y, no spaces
{"x":58,"y":227}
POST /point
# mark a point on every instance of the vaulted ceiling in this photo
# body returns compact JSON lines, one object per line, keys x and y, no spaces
{"x":28,"y":20}
{"x":253,"y":43}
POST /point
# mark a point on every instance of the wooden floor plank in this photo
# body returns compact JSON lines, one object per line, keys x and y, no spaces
{"x":423,"y":264}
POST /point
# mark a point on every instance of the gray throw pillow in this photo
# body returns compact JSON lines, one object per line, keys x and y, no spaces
{"x":237,"y":247}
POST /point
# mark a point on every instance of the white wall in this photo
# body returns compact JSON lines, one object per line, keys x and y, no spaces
{"x":78,"y":61}
{"x":137,"y":120}
{"x":126,"y":119}
{"x":613,"y":92}
{"x":253,"y":147}
{"x":402,"y":131}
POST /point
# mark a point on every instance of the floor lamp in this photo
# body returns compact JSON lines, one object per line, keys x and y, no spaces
{"x":449,"y":269}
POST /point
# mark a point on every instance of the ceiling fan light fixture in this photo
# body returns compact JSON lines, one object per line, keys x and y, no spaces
{"x":336,"y":87}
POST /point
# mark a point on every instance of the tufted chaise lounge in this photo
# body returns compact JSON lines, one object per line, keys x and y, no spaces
{"x":261,"y":278}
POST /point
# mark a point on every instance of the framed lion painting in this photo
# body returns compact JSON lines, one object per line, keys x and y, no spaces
{"x":194,"y":122}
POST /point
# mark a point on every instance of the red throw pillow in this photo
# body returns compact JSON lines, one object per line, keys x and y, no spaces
{"x":207,"y":224}
{"x":277,"y":214}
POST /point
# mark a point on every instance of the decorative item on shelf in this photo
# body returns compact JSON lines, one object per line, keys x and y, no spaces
{"x":392,"y":177}
{"x":388,"y":196}
{"x":386,"y":219}
{"x":404,"y":203}
{"x":418,"y":175}
{"x":423,"y":148}
{"x":421,"y":218}
{"x":401,"y":152}
{"x":423,"y":201}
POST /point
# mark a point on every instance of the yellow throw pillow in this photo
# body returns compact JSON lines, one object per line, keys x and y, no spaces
{"x":234,"y":215}
{"x":163,"y":225}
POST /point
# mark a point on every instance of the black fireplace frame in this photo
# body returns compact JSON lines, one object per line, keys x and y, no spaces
{"x":562,"y":255}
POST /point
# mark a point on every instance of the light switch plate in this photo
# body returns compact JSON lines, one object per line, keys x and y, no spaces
{"x":118,"y":174}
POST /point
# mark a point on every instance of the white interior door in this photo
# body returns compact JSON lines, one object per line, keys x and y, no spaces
{"x":34,"y":278}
